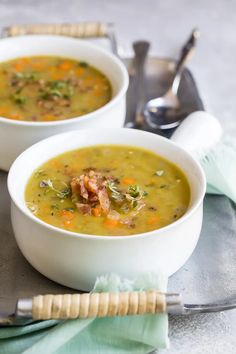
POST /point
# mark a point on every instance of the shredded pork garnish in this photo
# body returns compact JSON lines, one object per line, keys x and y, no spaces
{"x":104,"y":200}
{"x":128,"y":222}
{"x":84,"y":208}
{"x":96,"y":194}
{"x":78,"y":187}
{"x":114,"y":215}
{"x":90,"y":189}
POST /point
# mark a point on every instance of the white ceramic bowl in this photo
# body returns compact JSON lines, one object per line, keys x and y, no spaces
{"x":16,"y":136}
{"x":75,"y":259}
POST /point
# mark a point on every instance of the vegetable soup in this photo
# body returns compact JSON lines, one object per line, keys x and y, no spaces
{"x":47,"y":88}
{"x":108,"y":190}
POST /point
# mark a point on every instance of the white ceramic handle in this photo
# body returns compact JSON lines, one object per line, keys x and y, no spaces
{"x":198,"y":133}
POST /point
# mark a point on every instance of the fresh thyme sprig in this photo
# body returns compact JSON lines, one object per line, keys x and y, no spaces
{"x":47,"y":183}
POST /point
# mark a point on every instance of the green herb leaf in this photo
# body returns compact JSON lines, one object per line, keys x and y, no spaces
{"x":163,"y":186}
{"x":112,"y":187}
{"x":40,"y":173}
{"x":55,"y":92}
{"x":83,"y":64}
{"x":115,"y":194}
{"x":134,"y":190}
{"x":59,"y":193}
{"x":70,"y":209}
{"x":57,"y":84}
{"x":159,"y":173}
{"x":63,"y":194}
{"x":19,"y":100}
{"x":46,"y":183}
{"x":54,"y":206}
{"x":134,"y":195}
{"x":27,"y":76}
{"x":32,"y":207}
{"x":58,"y":88}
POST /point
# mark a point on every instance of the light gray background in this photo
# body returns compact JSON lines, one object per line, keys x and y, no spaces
{"x":166,"y":23}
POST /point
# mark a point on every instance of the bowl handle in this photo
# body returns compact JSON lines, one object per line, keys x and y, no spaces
{"x":80,"y":30}
{"x":198,"y":133}
{"x":91,"y":305}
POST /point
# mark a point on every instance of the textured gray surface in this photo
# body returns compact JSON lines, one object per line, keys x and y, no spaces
{"x":166,"y":24}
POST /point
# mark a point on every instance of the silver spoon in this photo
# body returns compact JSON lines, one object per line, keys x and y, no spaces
{"x":141,"y":49}
{"x":165,"y":112}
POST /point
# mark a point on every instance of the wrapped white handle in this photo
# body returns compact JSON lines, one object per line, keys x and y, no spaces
{"x":198,"y":133}
{"x":80,"y":30}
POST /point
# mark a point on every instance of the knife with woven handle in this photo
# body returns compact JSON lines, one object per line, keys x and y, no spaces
{"x":95,"y":305}
{"x":92,"y":305}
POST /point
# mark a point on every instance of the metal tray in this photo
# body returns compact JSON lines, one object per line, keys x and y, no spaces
{"x":209,"y":275}
{"x":159,"y":76}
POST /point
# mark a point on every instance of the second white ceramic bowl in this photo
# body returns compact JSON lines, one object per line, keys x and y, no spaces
{"x":75,"y":259}
{"x":16,"y":136}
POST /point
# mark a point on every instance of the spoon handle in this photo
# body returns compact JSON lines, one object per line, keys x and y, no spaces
{"x":92,"y":305}
{"x":141,"y":49}
{"x":186,"y":54}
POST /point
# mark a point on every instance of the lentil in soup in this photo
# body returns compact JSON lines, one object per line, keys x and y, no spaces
{"x":108,"y":190}
{"x":47,"y":88}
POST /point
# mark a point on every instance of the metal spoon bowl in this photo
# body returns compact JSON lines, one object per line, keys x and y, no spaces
{"x":165,"y":112}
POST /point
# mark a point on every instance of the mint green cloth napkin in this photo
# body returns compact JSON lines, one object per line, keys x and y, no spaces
{"x":131,"y":334}
{"x":220,"y":168}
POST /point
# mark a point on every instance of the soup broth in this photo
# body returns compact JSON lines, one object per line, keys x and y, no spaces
{"x":47,"y":88}
{"x":108,"y":190}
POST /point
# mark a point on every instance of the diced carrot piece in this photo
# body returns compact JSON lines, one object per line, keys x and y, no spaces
{"x":79,"y":71}
{"x":57,"y":76}
{"x":25,"y":60}
{"x":152,"y":220}
{"x":67,"y":214}
{"x":55,"y":163}
{"x":18,"y":67}
{"x":67,"y":223}
{"x":3,"y":110}
{"x":65,"y":66}
{"x":97,"y":93}
{"x":111,"y":222}
{"x":89,"y":80}
{"x":128,"y":181}
{"x":51,"y":69}
{"x":97,"y":211}
{"x":14,"y":116}
{"x":37,"y":65}
{"x":46,"y":210}
{"x":49,"y":118}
